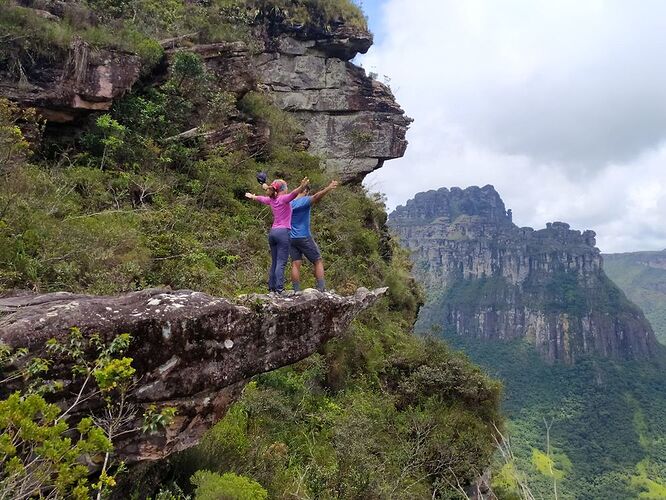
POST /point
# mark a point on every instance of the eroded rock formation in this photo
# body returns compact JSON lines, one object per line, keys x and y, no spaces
{"x":352,"y":121}
{"x":489,"y":279}
{"x":191,"y":351}
{"x":349,"y":119}
{"x":86,"y":80}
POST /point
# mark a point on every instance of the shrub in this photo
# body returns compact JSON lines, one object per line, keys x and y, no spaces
{"x":229,"y":486}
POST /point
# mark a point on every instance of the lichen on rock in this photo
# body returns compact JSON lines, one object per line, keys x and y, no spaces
{"x":191,"y":351}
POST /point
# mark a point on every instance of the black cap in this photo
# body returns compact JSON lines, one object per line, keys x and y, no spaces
{"x":262,"y":177}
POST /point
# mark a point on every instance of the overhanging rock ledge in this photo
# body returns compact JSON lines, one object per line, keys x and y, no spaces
{"x":191,"y":351}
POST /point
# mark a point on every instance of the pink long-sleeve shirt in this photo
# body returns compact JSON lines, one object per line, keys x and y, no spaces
{"x":281,"y":209}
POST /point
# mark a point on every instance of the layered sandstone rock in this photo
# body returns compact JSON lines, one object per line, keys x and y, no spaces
{"x":87,"y":80}
{"x":191,"y":351}
{"x":488,"y":278}
{"x":352,"y":121}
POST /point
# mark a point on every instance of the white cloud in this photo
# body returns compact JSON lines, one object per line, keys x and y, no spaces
{"x":560,"y":104}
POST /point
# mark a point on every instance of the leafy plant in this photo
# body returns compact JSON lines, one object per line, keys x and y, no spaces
{"x":40,"y":451}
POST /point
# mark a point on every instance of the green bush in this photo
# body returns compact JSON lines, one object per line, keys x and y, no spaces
{"x":32,"y":39}
{"x":229,"y":486}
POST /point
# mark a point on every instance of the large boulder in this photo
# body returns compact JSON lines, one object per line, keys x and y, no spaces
{"x":191,"y":351}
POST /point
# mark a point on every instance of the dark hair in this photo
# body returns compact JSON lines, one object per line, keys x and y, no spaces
{"x":307,"y":189}
{"x":272,"y":192}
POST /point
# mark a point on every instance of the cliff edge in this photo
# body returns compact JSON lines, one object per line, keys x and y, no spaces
{"x":490,"y":279}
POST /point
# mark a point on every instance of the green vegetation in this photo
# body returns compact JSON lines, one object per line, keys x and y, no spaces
{"x":211,"y":486}
{"x":136,"y":26}
{"x":317,"y":12}
{"x":379,"y":414}
{"x":29,"y":39}
{"x":43,"y":449}
{"x":607,"y":428}
{"x":133,"y":202}
{"x":643,"y":283}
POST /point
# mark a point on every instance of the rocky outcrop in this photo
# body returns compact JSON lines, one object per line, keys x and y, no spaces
{"x":489,"y":279}
{"x":87,"y":80}
{"x":352,"y":121}
{"x":191,"y":351}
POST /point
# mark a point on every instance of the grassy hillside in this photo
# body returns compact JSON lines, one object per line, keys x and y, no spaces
{"x":642,"y":276}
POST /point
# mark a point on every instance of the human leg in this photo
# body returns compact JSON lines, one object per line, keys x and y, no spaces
{"x":311,"y":251}
{"x":273,"y":243}
{"x":296,"y":274}
{"x":319,"y":275}
{"x":296,"y":262}
{"x":282,"y":255}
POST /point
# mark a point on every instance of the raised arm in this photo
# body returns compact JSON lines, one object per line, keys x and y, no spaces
{"x":291,"y":196}
{"x":320,"y":194}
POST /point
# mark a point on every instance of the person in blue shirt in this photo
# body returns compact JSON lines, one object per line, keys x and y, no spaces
{"x":302,"y":242}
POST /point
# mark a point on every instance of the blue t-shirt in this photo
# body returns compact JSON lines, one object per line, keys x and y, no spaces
{"x":300,"y":217}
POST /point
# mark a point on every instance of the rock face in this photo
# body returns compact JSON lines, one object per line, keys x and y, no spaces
{"x":489,"y":279}
{"x":87,"y":80}
{"x":352,"y":121}
{"x":191,"y":351}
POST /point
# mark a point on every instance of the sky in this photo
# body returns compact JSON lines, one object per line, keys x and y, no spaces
{"x":560,"y":104}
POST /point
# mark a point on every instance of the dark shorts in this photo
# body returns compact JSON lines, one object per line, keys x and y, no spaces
{"x":304,"y":246}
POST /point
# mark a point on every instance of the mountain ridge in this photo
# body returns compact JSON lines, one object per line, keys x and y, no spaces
{"x":642,"y":276}
{"x":491,"y":279}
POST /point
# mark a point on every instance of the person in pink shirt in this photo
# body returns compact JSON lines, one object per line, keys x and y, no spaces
{"x":278,"y":237}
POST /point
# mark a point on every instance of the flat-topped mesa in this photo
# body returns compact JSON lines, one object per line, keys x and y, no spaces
{"x":490,"y":279}
{"x":191,"y":351}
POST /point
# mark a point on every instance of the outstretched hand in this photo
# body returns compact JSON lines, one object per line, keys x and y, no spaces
{"x":304,"y":182}
{"x":333,"y":184}
{"x":249,"y":195}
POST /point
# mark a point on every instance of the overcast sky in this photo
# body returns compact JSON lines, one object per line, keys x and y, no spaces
{"x":560,"y":104}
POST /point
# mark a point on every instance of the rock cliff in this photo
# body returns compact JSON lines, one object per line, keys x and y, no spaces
{"x":64,"y":89}
{"x":488,"y":278}
{"x":191,"y":351}
{"x":352,"y":121}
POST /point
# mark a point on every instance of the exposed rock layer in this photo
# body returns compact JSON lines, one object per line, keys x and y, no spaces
{"x":349,"y":119}
{"x":87,"y":80}
{"x":490,"y":279}
{"x":191,"y":351}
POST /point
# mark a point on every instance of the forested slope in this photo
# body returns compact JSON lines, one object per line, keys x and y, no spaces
{"x":537,"y":311}
{"x":642,"y":276}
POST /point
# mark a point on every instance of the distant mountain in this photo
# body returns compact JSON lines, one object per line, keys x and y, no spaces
{"x":642,"y":276}
{"x":488,"y":278}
